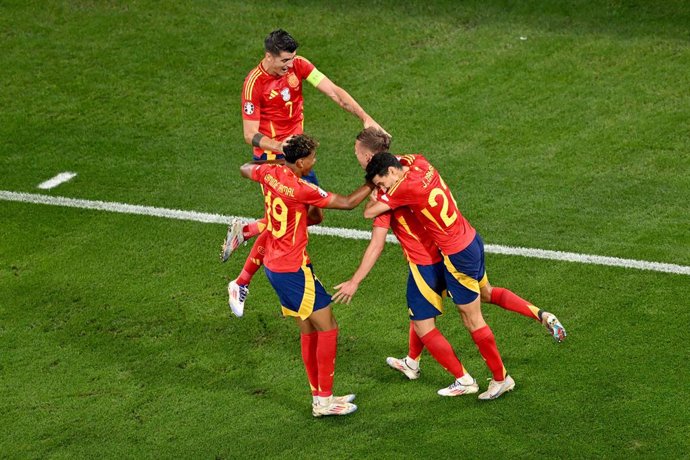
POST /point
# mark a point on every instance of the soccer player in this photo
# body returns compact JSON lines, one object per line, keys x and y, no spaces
{"x":272,"y":111}
{"x":419,"y":186}
{"x":426,"y":284}
{"x":287,"y":197}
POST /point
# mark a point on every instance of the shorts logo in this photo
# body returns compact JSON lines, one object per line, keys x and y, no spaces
{"x":285,"y":92}
{"x":248,"y":108}
{"x":292,"y":80}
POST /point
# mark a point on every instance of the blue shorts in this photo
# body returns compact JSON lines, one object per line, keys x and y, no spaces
{"x":465,"y":272}
{"x":311,"y":178}
{"x":300,"y":292}
{"x":426,"y":288}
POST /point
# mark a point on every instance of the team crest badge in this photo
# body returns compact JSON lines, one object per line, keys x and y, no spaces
{"x":285,"y":92}
{"x":292,"y":80}
{"x":248,"y":108}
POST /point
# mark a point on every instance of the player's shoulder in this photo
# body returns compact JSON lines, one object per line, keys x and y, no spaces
{"x":253,"y":80}
{"x":308,"y":187}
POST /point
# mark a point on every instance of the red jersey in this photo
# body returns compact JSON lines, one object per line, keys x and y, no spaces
{"x":287,"y":199}
{"x":424,"y":192}
{"x":276,"y":102}
{"x":410,"y":233}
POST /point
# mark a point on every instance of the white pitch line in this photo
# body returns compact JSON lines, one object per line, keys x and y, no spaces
{"x":57,"y":180}
{"x":332,"y":231}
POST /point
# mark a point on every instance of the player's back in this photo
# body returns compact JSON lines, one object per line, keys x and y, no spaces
{"x":409,"y":231}
{"x":286,"y":201}
{"x":428,"y":196}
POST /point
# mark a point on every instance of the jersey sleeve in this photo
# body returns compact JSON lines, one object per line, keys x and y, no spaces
{"x":402,"y":196}
{"x":311,"y":194}
{"x":258,"y":172}
{"x":251,"y":96}
{"x":306,"y":71}
{"x":383,"y":220}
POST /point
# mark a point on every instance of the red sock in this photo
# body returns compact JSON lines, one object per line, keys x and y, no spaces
{"x":442,"y":351}
{"x":510,"y":301}
{"x":253,"y":228}
{"x":416,"y":344}
{"x":309,"y":342}
{"x":254,"y":260}
{"x":326,"y":348}
{"x":486,"y":342}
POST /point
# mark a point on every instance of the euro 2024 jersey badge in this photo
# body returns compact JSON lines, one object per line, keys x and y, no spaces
{"x":285,"y":92}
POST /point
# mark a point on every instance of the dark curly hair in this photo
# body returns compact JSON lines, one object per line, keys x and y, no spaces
{"x":279,"y":41}
{"x":299,"y":146}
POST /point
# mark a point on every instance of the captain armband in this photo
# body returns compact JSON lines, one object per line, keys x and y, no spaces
{"x":256,"y":140}
{"x":315,"y":77}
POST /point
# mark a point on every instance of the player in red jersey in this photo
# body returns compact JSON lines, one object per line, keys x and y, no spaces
{"x":272,"y":111}
{"x":426,"y":283}
{"x":420,"y":187}
{"x":287,"y":198}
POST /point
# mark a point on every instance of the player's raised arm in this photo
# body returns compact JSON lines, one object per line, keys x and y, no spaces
{"x":347,"y":102}
{"x":348,"y":288}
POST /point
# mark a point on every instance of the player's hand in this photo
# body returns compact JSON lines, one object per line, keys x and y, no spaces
{"x":345,"y":291}
{"x":371,"y":123}
{"x":282,"y":146}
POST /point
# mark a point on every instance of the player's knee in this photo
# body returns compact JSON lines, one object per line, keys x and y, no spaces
{"x":485,"y":293}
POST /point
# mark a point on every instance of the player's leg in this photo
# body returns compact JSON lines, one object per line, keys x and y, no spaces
{"x":409,"y":365}
{"x":308,"y":341}
{"x":326,"y":351}
{"x":238,"y":289}
{"x":302,"y":296}
{"x":464,"y":271}
{"x":508,"y":300}
{"x":238,"y":233}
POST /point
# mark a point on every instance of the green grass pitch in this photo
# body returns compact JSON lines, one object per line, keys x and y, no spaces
{"x":559,"y":125}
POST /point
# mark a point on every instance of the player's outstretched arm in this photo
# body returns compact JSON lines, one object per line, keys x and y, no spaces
{"x":246,"y":170}
{"x":347,"y":102}
{"x":348,"y":288}
{"x":352,"y":200}
{"x":374,"y":208}
{"x":252,"y":136}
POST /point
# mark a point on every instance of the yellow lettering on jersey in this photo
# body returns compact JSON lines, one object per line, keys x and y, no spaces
{"x":280,"y":188}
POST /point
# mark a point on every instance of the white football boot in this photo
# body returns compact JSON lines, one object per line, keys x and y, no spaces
{"x":237,"y":294}
{"x":496,"y":389}
{"x":458,"y":388}
{"x":332,"y":408}
{"x":402,"y":366}
{"x":233,"y":239}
